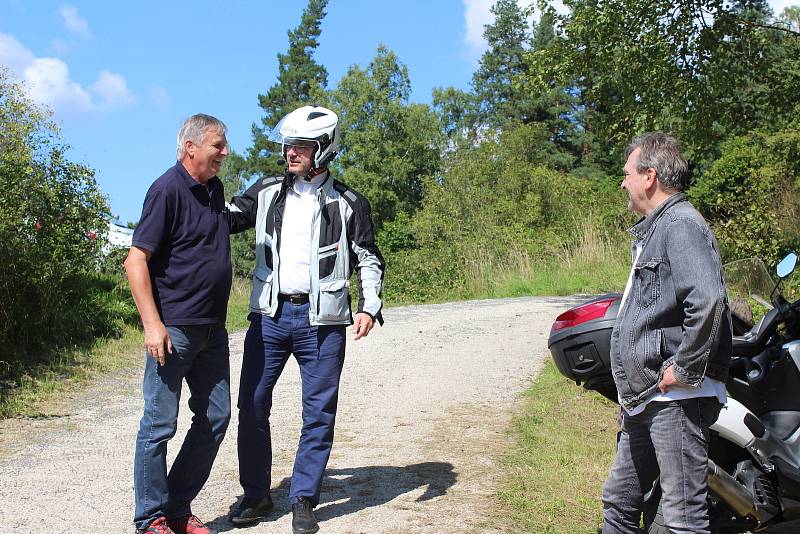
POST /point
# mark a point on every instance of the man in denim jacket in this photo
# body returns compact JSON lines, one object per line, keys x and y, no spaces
{"x":669,"y":348}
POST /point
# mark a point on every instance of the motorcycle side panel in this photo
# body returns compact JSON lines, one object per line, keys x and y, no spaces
{"x":730,"y":424}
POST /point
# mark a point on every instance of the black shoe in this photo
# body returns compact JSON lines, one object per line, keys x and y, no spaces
{"x":250,"y":510}
{"x":303,"y":519}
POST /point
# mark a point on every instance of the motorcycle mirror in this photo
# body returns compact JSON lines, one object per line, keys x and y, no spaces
{"x":787,"y":265}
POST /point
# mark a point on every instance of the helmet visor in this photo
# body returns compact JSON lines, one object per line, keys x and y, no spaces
{"x":285,"y":134}
{"x":281,"y":134}
{"x":275,"y":134}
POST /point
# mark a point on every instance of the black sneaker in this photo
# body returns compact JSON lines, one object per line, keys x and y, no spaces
{"x":250,"y":510}
{"x":303,"y":519}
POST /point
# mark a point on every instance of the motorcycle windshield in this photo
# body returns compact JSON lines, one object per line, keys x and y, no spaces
{"x":749,"y":287}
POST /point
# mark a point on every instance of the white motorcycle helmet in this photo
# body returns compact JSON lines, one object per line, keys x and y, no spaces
{"x":309,"y":124}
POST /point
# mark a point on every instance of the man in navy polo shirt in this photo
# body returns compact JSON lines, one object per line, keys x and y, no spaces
{"x":179,"y":270}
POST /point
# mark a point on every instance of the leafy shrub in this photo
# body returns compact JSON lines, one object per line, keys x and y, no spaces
{"x":750,"y":194}
{"x":423,"y":275}
{"x":496,"y":209}
{"x":396,"y":235}
{"x":111,"y":263}
{"x":50,"y":209}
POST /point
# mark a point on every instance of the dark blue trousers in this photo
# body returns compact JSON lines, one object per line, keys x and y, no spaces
{"x":319,"y":351}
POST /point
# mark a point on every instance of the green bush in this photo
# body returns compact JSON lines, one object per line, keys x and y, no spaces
{"x":498,"y":208}
{"x":423,"y":275}
{"x":397,"y":235}
{"x":51,"y":212}
{"x":750,"y":194}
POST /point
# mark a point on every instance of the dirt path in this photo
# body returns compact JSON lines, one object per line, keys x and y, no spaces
{"x":424,"y":407}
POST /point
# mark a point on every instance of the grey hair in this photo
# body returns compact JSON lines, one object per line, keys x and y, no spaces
{"x":194,"y":128}
{"x":661,"y":152}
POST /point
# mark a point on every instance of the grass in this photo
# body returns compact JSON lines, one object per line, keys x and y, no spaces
{"x":238,"y":305}
{"x":566,"y":440}
{"x":565,"y":436}
{"x":67,"y":370}
{"x":70,"y":368}
{"x":595,"y":264}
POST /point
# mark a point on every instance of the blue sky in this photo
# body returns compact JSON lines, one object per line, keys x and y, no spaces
{"x":120,"y":77}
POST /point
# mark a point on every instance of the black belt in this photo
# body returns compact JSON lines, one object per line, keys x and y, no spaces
{"x":299,"y":298}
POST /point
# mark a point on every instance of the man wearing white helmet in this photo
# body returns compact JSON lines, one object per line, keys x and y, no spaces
{"x":312,"y":232}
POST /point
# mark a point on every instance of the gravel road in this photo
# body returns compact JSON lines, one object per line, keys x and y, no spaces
{"x":424,"y":407}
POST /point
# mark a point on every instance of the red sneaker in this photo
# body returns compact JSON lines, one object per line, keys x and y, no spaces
{"x":159,"y":526}
{"x":188,"y":524}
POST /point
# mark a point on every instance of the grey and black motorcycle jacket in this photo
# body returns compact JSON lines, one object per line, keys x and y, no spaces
{"x":342,"y":241}
{"x":676,"y":312}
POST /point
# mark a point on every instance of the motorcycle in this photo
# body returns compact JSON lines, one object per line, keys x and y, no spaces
{"x":754,"y":446}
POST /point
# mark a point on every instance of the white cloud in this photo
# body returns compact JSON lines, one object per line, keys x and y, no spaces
{"x":13,"y":55}
{"x":160,"y":97}
{"x":477,"y":14}
{"x":112,"y":90}
{"x":60,"y":47}
{"x":74,"y":23}
{"x":48,"y":82}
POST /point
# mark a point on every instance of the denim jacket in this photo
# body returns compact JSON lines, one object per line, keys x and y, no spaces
{"x":676,"y":312}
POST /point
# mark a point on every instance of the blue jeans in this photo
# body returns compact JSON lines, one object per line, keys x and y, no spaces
{"x":200,"y":355}
{"x":319,"y":351}
{"x":668,"y":441}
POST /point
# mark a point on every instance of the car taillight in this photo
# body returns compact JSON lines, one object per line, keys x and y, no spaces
{"x":583,"y":313}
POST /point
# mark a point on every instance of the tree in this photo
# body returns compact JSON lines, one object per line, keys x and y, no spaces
{"x":301,"y":81}
{"x":457,"y":111}
{"x":499,"y":102}
{"x":791,"y":18}
{"x":234,"y":175}
{"x":53,"y":218}
{"x":507,"y":38}
{"x":675,"y":66}
{"x":388,"y":144}
{"x":501,"y":99}
{"x":751,"y":193}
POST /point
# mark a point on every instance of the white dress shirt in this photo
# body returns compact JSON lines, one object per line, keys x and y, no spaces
{"x":295,"y":246}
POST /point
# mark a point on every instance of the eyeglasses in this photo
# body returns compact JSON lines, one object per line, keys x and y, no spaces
{"x":299,"y":144}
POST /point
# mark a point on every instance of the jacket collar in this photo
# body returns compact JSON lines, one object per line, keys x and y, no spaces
{"x":644,"y":227}
{"x":326,"y":186}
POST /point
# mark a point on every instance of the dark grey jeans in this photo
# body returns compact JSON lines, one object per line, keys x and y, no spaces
{"x":669,"y":441}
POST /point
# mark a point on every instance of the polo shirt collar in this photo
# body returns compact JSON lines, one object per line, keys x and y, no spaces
{"x":187,"y":178}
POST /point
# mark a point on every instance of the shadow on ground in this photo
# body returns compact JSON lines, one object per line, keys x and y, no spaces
{"x":350,"y":490}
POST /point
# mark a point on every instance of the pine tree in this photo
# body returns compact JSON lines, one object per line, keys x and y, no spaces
{"x":492,"y":83}
{"x":301,"y":81}
{"x":752,"y":10}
